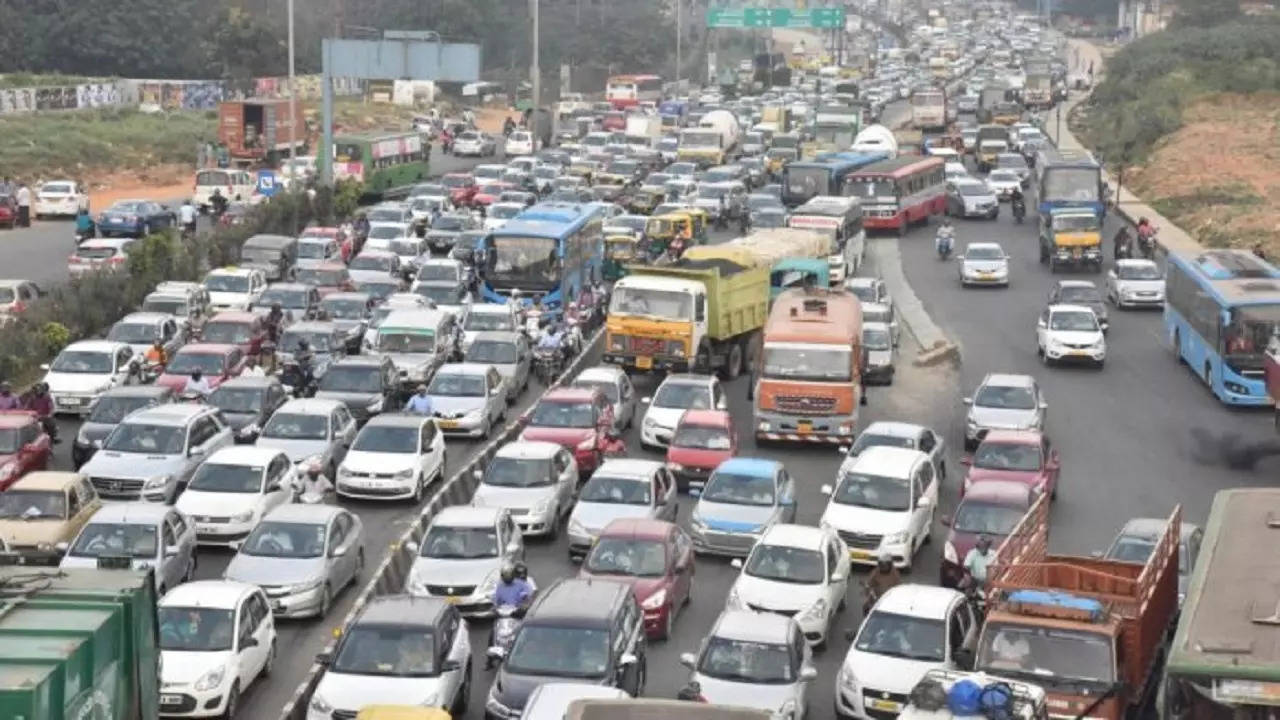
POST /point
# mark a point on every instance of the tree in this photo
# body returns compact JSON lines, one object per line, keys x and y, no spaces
{"x":1205,"y":13}
{"x":241,"y":47}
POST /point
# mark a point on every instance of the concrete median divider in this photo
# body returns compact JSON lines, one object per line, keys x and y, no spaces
{"x":393,"y":572}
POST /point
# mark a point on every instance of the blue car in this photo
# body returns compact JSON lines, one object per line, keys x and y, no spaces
{"x":742,"y":499}
{"x":135,"y":218}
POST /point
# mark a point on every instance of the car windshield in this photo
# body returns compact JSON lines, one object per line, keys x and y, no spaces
{"x":456,"y":385}
{"x":984,"y":518}
{"x":973,"y":189}
{"x":605,"y":488}
{"x":1132,"y":548}
{"x":1004,"y":397}
{"x":285,"y":540}
{"x":134,"y":333}
{"x":783,"y":563}
{"x":448,"y":272}
{"x":1141,"y":271}
{"x":227,"y":332}
{"x":441,"y":294}
{"x":346,"y":308}
{"x":747,"y":662}
{"x":9,"y":441}
{"x":864,"y":293}
{"x":627,"y":556}
{"x":313,"y":250}
{"x":489,"y":321}
{"x":111,"y":410}
{"x":687,"y":396}
{"x":738,"y":489}
{"x":457,"y":181}
{"x":339,"y":378}
{"x":186,"y":363}
{"x":877,"y":338}
{"x":806,"y":361}
{"x":410,"y":341}
{"x":1079,"y":295}
{"x":83,"y":361}
{"x":546,"y":651}
{"x":878,"y":492}
{"x":448,"y":223}
{"x":288,"y":299}
{"x":221,"y":478}
{"x":118,"y":539}
{"x":983,"y":252}
{"x":195,"y":629}
{"x":320,"y":341}
{"x":1004,"y":176}
{"x":1073,"y":321}
{"x":902,"y":636}
{"x":556,"y":414}
{"x":1021,"y":457}
{"x":220,"y":282}
{"x":146,"y":439}
{"x":167,"y":306}
{"x":495,"y":352}
{"x":460,"y":543}
{"x":386,"y":215}
{"x":608,"y":388}
{"x":387,"y":439}
{"x":869,"y":440}
{"x":668,"y":304}
{"x":297,"y":426}
{"x":321,"y":277}
{"x":701,"y":437}
{"x":387,"y":651}
{"x":33,"y":504}
{"x":519,"y":472}
{"x":241,"y":401}
{"x":379,"y":289}
{"x":1046,"y":653}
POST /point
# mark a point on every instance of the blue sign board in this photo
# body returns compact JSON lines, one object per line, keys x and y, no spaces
{"x":268,"y":185}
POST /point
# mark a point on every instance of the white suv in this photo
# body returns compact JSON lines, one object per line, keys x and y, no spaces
{"x":883,"y":503}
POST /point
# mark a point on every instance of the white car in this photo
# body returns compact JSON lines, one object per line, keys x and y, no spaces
{"x":216,"y":638}
{"x":883,"y":502}
{"x":233,"y":489}
{"x":234,"y":288}
{"x":534,"y":480}
{"x":59,"y":198}
{"x":1135,"y":282}
{"x":984,"y":263}
{"x":902,"y":435}
{"x":502,"y":317}
{"x":968,"y":197}
{"x":955,"y":170}
{"x":550,"y":701}
{"x":500,"y":212}
{"x":677,"y":393}
{"x":911,"y":630}
{"x":1004,"y":402}
{"x":1004,"y":182}
{"x":474,"y":144}
{"x":796,"y":570}
{"x":84,"y":370}
{"x":394,"y":457}
{"x":1070,"y":333}
{"x":519,"y":142}
{"x":461,"y":554}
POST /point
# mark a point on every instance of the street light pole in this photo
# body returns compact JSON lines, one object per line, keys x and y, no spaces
{"x":293,"y":116}
{"x":535,"y":71}
{"x":679,"y":38}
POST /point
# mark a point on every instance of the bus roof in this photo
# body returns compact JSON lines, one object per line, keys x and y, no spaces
{"x":633,"y":78}
{"x":815,"y":315}
{"x":1068,"y":158}
{"x":901,"y":165}
{"x":550,"y":220}
{"x":842,"y":163}
{"x":1228,"y":624}
{"x":1233,"y":277}
{"x":827,"y":205}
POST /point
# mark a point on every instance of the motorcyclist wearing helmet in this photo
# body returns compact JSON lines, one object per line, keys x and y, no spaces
{"x":522,"y":573}
{"x":946,"y":236}
{"x":511,"y":590}
{"x":884,"y":576}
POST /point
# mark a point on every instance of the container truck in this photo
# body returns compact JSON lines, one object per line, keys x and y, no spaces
{"x":261,"y":130}
{"x":1091,"y":631}
{"x":712,"y":142}
{"x":1038,"y":91}
{"x":698,"y":315}
{"x":78,"y":644}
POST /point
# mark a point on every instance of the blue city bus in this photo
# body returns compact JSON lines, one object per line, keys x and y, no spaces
{"x":824,"y":175}
{"x":1222,"y":307}
{"x":1069,"y":178}
{"x":549,"y":251}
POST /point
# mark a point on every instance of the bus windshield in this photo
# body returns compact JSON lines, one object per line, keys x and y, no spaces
{"x":1065,"y":184}
{"x":527,"y":263}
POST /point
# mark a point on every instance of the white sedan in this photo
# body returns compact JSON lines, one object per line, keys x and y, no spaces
{"x":1004,"y":182}
{"x":1070,"y":333}
{"x":984,"y":264}
{"x":238,"y":485}
{"x":59,"y":197}
{"x":1135,"y":283}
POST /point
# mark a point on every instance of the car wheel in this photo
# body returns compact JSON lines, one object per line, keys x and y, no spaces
{"x":464,"y":695}
{"x":928,"y":531}
{"x":553,"y":530}
{"x":488,"y":427}
{"x":233,"y":701}
{"x":355,"y":575}
{"x":270,"y":663}
{"x":419,"y":491}
{"x":326,"y":601}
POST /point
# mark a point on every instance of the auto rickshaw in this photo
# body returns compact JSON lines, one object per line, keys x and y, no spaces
{"x":701,"y":221}
{"x":643,"y":201}
{"x":401,"y":712}
{"x":619,"y":250}
{"x":662,"y":229}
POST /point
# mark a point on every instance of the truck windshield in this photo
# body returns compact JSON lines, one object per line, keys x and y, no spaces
{"x":796,"y":361}
{"x":528,"y":263}
{"x":667,"y":304}
{"x":1063,"y":184}
{"x":1045,"y":655}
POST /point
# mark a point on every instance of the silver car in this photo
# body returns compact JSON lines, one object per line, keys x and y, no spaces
{"x":1135,"y":282}
{"x":903,"y":435}
{"x":461,"y":554}
{"x":757,"y":660}
{"x":141,"y":330}
{"x":301,"y":555}
{"x":351,"y":312}
{"x":534,"y":480}
{"x":137,"y":536}
{"x":508,"y":352}
{"x":311,"y":431}
{"x":468,"y":399}
{"x":984,"y":263}
{"x":617,"y":389}
{"x":621,"y":488}
{"x":1004,"y":402}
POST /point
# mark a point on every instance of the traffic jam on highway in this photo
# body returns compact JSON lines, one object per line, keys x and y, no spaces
{"x":715,"y":488}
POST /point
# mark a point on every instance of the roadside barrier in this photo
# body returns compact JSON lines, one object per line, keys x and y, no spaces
{"x":393,"y":571}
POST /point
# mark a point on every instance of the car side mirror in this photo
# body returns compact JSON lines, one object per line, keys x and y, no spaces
{"x":850,"y":634}
{"x":1042,"y":324}
{"x":646,"y":400}
{"x":963,"y":658}
{"x":688,"y":659}
{"x":513,"y":548}
{"x":477,"y":474}
{"x":235,"y":545}
{"x":450,"y":666}
{"x":249,"y":643}
{"x":628,"y":659}
{"x":1044,"y":405}
{"x":736,"y":563}
{"x":44,"y":366}
{"x":1096,"y":554}
{"x":195,"y":452}
{"x":171,"y":551}
{"x":274,"y":487}
{"x":837,"y":577}
{"x":966,"y":460}
{"x":826,"y":489}
{"x":324,"y":658}
{"x":923,"y":502}
{"x":338,"y":552}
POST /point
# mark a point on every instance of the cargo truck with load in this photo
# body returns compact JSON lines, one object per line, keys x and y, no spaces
{"x":712,"y":142}
{"x":78,"y":644}
{"x":1092,"y":632}
{"x":775,"y":249}
{"x":1038,"y":91}
{"x":698,"y":315}
{"x":261,"y":130}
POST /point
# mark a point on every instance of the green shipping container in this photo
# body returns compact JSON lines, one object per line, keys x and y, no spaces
{"x":78,"y":645}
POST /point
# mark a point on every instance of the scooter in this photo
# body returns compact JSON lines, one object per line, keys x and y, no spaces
{"x":504,"y":633}
{"x":943,"y":244}
{"x":297,"y":382}
{"x":1019,"y":210}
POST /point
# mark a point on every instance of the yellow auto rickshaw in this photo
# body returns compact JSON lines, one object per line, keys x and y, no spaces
{"x":701,"y":219}
{"x":662,"y":229}
{"x":619,"y":251}
{"x":401,"y":712}
{"x":643,"y":201}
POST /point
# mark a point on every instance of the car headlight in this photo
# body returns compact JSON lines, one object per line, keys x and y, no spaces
{"x":343,"y":471}
{"x":474,"y":414}
{"x":375,"y":406}
{"x":675,"y":467}
{"x":787,"y":710}
{"x":9,"y":471}
{"x":895,"y":538}
{"x":211,"y":679}
{"x":243,"y":517}
{"x":617,"y":343}
{"x":157,"y":481}
{"x":487,"y":587}
{"x":541,"y":508}
{"x":429,"y":701}
{"x":655,"y":601}
{"x":846,"y":678}
{"x":816,"y":611}
{"x":320,"y":705}
{"x":697,"y":524}
{"x":734,"y":599}
{"x":44,"y":546}
{"x":406,"y":474}
{"x":300,"y":588}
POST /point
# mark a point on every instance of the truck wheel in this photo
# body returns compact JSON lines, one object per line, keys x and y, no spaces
{"x":733,"y":365}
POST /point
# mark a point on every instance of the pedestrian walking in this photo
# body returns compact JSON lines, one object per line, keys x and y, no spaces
{"x":23,"y":196}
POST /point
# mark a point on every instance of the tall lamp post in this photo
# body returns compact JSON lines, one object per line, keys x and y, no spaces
{"x":293,"y":116}
{"x":535,"y":72}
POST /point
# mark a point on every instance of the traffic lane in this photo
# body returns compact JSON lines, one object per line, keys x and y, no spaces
{"x":1124,"y":432}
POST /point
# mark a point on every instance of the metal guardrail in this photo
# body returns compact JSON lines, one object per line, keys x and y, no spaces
{"x":393,"y":571}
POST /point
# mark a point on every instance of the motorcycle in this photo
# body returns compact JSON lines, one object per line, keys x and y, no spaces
{"x":297,"y":382}
{"x":1019,"y":210}
{"x":943,"y":243}
{"x":547,"y":364}
{"x":1147,"y":243}
{"x":504,"y":633}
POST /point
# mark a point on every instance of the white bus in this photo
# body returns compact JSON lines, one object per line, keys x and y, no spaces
{"x":929,"y":108}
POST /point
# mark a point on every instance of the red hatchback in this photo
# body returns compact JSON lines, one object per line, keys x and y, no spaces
{"x":24,"y":446}
{"x":1023,"y":456}
{"x":991,"y":508}
{"x":489,"y":193}
{"x":701,"y":441}
{"x":462,"y":188}
{"x":578,"y":419}
{"x":218,"y":363}
{"x":656,"y":558}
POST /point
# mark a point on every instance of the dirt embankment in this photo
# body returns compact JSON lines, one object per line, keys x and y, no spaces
{"x":1218,"y":177}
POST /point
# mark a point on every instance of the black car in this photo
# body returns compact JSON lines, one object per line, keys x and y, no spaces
{"x":575,"y":631}
{"x":247,"y":403}
{"x":1080,"y":292}
{"x":110,"y":408}
{"x":444,"y":232}
{"x":366,"y":384}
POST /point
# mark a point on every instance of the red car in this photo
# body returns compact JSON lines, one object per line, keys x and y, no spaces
{"x":328,"y":278}
{"x":245,"y":330}
{"x":8,"y":211}
{"x":217,"y":362}
{"x":489,"y":193}
{"x":462,"y":188}
{"x":701,"y":441}
{"x":1023,"y":456}
{"x":614,"y":120}
{"x":578,"y":419}
{"x":24,"y":446}
{"x":346,"y":244}
{"x":991,"y":508}
{"x":656,"y":558}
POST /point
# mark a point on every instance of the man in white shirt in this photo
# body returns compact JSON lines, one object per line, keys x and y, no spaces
{"x":252,"y":368}
{"x":23,"y":197}
{"x":187,"y":216}
{"x":197,"y":383}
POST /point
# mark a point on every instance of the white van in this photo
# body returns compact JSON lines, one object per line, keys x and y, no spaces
{"x":883,"y":501}
{"x":233,"y":184}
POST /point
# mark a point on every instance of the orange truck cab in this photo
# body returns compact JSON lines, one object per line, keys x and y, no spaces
{"x":808,"y":382}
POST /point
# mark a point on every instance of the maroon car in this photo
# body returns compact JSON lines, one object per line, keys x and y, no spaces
{"x":653,"y":556}
{"x":577,"y":419}
{"x":8,"y":211}
{"x":991,"y":508}
{"x":1023,"y":456}
{"x":702,"y":440}
{"x":24,"y":446}
{"x":489,"y":193}
{"x":462,"y":188}
{"x":218,"y":363}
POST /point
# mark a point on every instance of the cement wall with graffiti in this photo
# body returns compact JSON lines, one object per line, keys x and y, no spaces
{"x":164,"y":94}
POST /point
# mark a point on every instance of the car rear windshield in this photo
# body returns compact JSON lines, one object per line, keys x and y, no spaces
{"x":982,"y":518}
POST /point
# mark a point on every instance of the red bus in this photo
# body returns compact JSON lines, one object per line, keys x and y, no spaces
{"x":624,"y":91}
{"x":898,"y":192}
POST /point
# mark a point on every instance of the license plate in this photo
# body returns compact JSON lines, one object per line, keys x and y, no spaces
{"x":1080,"y":353}
{"x":72,"y":401}
{"x":207,"y":529}
{"x":860,"y":554}
{"x":804,"y":427}
{"x":447,"y":424}
{"x":887,"y":705}
{"x":644,"y":363}
{"x":453,"y":599}
{"x":116,"y":218}
{"x":170,"y":699}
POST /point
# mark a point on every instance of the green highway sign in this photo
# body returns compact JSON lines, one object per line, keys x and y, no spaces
{"x":755,"y":17}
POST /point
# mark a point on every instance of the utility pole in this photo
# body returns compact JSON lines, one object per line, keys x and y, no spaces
{"x":679,"y":38}
{"x":293,"y":117}
{"x":535,"y":71}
